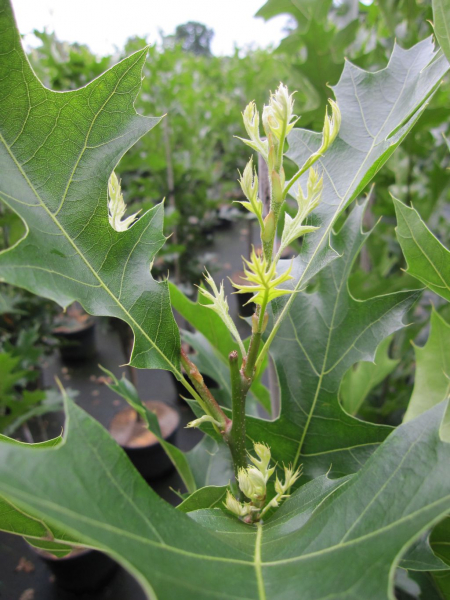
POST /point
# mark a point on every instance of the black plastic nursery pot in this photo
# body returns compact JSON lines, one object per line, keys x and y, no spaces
{"x":77,"y":344}
{"x":140,"y":444}
{"x":245,"y":307}
{"x":225,"y":217}
{"x":82,"y":571}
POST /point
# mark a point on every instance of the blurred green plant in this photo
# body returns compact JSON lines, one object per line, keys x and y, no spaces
{"x":17,"y":403}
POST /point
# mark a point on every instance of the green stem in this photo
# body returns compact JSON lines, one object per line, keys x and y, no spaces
{"x":236,"y":438}
{"x":208,"y":402}
{"x":252,"y":355}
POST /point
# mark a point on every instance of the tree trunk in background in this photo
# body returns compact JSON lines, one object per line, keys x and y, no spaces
{"x":171,"y":187}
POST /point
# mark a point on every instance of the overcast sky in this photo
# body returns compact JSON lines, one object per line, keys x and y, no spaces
{"x":105,"y":24}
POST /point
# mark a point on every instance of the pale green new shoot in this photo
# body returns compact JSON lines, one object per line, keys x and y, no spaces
{"x":249,"y":185}
{"x":293,"y":226}
{"x":250,"y":117}
{"x":263,"y":280}
{"x":219,"y":304}
{"x":117,"y":206}
{"x":331,"y":127}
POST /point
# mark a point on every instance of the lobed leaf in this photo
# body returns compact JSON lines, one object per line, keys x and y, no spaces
{"x":428,"y":260}
{"x":361,"y":379}
{"x":432,"y":379}
{"x":345,"y":537}
{"x":57,"y":151}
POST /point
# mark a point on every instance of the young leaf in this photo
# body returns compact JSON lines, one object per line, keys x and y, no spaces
{"x":428,"y":260}
{"x":326,"y":332}
{"x":204,"y":320}
{"x":57,"y":151}
{"x":432,"y":381}
{"x":347,"y":543}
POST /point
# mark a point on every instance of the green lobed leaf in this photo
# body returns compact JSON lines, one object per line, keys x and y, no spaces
{"x":361,"y":379}
{"x":57,"y":151}
{"x":210,"y":461}
{"x":420,"y":556}
{"x":432,"y":379}
{"x":35,"y":531}
{"x":326,"y":332}
{"x":441,"y":16}
{"x":428,"y":260}
{"x":345,"y":537}
{"x":441,"y":546}
{"x":304,"y":11}
{"x":15,"y":521}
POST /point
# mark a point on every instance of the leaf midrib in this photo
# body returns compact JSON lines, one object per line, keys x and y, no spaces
{"x":123,"y":532}
{"x":325,"y":358}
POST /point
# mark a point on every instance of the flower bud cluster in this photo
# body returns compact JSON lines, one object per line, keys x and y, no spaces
{"x":117,"y":206}
{"x":249,"y":185}
{"x":250,"y":117}
{"x":253,"y":481}
{"x":290,"y":477}
{"x":278,"y":116}
{"x":293,"y":226}
{"x":331,"y":127}
{"x":278,"y":121}
{"x":240,"y":509}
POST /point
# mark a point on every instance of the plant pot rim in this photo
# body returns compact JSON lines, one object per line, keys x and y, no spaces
{"x":63,"y":330}
{"x":144,"y":437}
